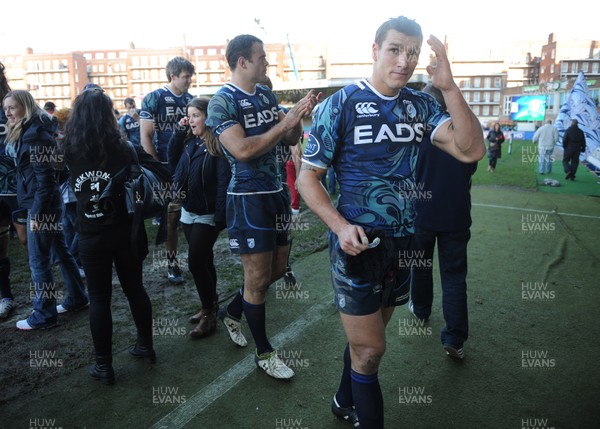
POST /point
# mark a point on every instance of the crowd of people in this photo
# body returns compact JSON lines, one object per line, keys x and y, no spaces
{"x":235,"y":161}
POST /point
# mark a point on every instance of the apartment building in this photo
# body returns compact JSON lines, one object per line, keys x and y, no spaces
{"x":486,"y":84}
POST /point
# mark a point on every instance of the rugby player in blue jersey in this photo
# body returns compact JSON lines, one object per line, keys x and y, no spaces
{"x":246,"y":118}
{"x":370,"y":132}
{"x":161,"y":111}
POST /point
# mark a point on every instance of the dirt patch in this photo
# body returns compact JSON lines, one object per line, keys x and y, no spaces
{"x":31,"y":359}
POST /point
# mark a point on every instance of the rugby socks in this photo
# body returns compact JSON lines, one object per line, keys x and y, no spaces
{"x":344,"y":393}
{"x":235,"y":307}
{"x":368,"y":399}
{"x":255,"y":316}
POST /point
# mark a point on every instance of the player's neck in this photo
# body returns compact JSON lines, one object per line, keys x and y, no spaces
{"x":244,"y":84}
{"x":174,"y":90}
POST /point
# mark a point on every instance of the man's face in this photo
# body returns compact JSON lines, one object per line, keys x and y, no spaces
{"x":395,"y":60}
{"x":130,"y":105}
{"x":257,"y":64}
{"x":182,"y":82}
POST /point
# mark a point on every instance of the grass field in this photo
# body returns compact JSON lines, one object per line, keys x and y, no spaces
{"x":531,"y":355}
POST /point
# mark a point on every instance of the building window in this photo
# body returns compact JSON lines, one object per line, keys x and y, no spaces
{"x":551,"y":68}
{"x":488,"y":82}
{"x":495,"y":111}
{"x":476,"y":97}
{"x":553,"y":52}
{"x":497,"y":82}
{"x":584,"y":66}
{"x":595,"y":68}
{"x":485,"y":110}
{"x":477,"y":82}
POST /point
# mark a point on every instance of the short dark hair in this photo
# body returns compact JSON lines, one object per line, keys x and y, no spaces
{"x":240,"y":46}
{"x":49,"y":106}
{"x":178,"y":65}
{"x":402,"y":25}
{"x":128,"y":100}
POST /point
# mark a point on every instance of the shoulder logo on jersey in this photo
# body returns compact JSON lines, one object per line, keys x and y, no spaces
{"x":410,"y":109}
{"x":245,"y":103}
{"x":312,"y":147}
{"x":251,"y":243}
{"x":366,"y":109}
{"x":169,"y":99}
{"x":263,"y":98}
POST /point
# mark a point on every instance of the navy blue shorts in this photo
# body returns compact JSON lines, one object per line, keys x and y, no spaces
{"x":257,"y":223}
{"x":357,"y":296}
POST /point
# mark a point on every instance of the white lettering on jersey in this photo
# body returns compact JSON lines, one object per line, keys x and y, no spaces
{"x":401,"y":133}
{"x":263,"y":117}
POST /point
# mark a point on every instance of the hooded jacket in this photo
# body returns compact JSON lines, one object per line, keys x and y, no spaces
{"x":36,"y":161}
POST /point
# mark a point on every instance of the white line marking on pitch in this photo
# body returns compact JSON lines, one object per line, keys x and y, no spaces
{"x":198,"y":402}
{"x":533,"y":210}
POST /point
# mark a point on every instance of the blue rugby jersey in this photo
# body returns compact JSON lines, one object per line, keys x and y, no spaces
{"x":165,"y":109}
{"x":372,"y":141}
{"x":131,"y":128}
{"x":256,"y":113}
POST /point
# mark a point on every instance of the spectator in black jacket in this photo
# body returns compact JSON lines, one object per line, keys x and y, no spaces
{"x":30,"y":142}
{"x":200,"y":183}
{"x":95,"y":153}
{"x":573,"y":145}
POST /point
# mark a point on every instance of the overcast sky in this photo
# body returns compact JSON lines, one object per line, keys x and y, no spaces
{"x":63,"y":26}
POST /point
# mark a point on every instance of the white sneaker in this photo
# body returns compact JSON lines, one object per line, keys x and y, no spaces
{"x":273,"y":366}
{"x":6,"y":306}
{"x":234,"y":328}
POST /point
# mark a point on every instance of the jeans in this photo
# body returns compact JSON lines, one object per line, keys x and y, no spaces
{"x":545,"y":158}
{"x":452,"y":253}
{"x":98,"y":252}
{"x":48,"y":239}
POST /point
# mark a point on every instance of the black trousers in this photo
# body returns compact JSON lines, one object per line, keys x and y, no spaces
{"x":98,"y":252}
{"x":571,"y":161}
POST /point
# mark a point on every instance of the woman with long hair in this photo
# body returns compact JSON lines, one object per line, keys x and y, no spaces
{"x":8,"y":191}
{"x":31,"y":144}
{"x":95,"y":152}
{"x":200,"y":180}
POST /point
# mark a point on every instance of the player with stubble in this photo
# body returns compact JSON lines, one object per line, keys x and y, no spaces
{"x":246,"y":118}
{"x":370,"y":133}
